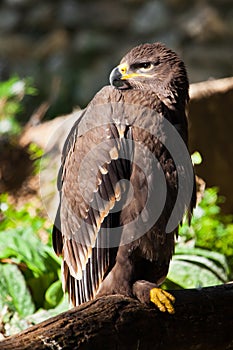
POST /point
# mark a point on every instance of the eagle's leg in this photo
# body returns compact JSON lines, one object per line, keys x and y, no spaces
{"x":118,"y":280}
{"x":148,"y":292}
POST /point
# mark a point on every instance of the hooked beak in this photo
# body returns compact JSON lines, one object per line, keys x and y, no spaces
{"x":118,"y":77}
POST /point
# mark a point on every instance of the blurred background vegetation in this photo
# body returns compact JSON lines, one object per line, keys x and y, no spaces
{"x":59,"y":54}
{"x":70,"y":46}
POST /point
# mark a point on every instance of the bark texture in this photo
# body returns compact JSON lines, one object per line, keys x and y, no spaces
{"x":203,"y":320}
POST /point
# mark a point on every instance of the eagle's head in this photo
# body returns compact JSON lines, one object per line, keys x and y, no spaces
{"x":156,"y":68}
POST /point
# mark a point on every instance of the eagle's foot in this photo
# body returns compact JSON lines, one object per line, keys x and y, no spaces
{"x":148,"y":292}
{"x":163,"y":300}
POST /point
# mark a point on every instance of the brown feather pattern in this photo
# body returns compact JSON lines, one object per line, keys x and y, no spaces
{"x":96,"y":157}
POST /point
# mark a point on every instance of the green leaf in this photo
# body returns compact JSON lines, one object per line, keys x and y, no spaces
{"x":218,"y":259}
{"x":196,"y":158}
{"x":193,"y":267}
{"x":189,"y":275}
{"x":204,"y":263}
{"x":211,"y":229}
{"x":12,"y":93}
{"x":26,"y":247}
{"x":6,"y":87}
{"x":54,"y":293}
{"x":14,"y":292}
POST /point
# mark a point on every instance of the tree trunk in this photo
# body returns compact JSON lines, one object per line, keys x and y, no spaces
{"x":203,"y":320}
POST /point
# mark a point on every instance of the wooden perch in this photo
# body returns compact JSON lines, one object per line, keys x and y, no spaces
{"x":203,"y":320}
{"x":211,"y":88}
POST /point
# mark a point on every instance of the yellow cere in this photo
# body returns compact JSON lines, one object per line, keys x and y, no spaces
{"x":123,"y":68}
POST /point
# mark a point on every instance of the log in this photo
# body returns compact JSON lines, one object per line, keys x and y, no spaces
{"x":211,"y":124}
{"x":203,"y":320}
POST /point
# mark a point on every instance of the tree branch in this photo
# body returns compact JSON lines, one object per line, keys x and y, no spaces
{"x":203,"y":320}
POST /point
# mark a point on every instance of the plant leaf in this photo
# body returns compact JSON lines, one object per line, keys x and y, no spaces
{"x":189,"y":275}
{"x":14,"y":292}
{"x":218,"y":258}
{"x":54,"y":294}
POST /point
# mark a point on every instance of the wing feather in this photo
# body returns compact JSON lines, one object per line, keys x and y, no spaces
{"x":85,"y":206}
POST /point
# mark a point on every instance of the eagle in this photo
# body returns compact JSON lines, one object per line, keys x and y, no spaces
{"x":126,"y":181}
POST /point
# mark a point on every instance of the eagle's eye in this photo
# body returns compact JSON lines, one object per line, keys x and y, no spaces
{"x":146,"y":65}
{"x":143,"y":67}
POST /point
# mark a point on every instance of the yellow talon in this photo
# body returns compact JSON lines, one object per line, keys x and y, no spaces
{"x":162,"y":299}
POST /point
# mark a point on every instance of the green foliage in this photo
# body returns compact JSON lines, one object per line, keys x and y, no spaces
{"x":29,"y":269}
{"x":36,"y":154}
{"x":193,"y":267}
{"x":12,"y":92}
{"x":196,"y":158}
{"x":14,"y":292}
{"x":210,"y":228}
{"x":205,"y":249}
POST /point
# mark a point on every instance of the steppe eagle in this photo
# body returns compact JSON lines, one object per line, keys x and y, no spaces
{"x":126,"y":181}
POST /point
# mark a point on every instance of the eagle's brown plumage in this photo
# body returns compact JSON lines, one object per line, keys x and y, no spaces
{"x":112,"y":237}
